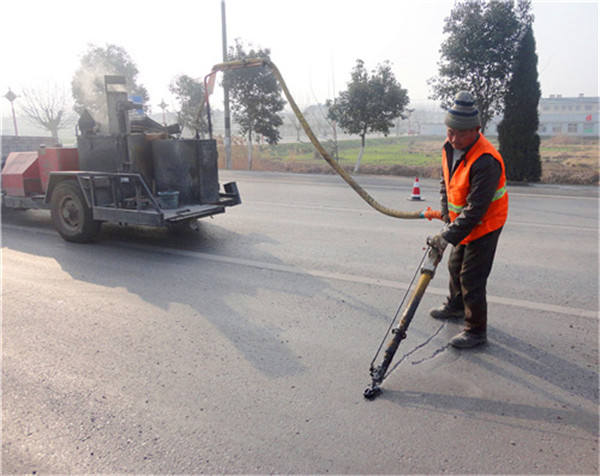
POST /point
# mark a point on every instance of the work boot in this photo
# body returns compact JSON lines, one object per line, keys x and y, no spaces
{"x":465,"y":340}
{"x":446,"y":312}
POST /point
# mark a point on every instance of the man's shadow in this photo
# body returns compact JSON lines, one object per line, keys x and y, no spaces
{"x":528,"y":366}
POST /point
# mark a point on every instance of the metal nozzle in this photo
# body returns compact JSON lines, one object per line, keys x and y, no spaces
{"x":372,"y":391}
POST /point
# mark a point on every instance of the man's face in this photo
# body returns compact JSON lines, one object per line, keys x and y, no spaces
{"x":461,"y":139}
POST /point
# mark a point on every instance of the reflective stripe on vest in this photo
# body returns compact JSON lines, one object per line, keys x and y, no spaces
{"x":498,"y":194}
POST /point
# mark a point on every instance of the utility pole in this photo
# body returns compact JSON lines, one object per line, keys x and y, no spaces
{"x":226,"y":91}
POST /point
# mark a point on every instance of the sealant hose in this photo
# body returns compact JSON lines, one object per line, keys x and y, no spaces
{"x":429,"y":214}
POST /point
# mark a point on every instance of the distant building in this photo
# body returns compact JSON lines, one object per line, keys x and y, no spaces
{"x":575,"y":116}
{"x":572,"y":116}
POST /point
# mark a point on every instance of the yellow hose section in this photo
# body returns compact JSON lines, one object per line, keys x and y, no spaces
{"x":419,"y":291}
{"x":333,"y":163}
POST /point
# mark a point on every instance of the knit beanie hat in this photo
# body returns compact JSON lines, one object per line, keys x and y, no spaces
{"x":463,"y":114}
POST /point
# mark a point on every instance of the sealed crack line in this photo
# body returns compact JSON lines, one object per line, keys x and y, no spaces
{"x":420,"y":346}
{"x":432,"y":356}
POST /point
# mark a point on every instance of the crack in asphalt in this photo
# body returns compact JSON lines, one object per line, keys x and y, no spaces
{"x":434,"y":354}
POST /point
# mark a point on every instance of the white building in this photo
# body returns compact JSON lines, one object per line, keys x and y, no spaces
{"x":576,"y":116}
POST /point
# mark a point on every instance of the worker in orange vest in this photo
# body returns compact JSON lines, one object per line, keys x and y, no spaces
{"x":475,"y":206}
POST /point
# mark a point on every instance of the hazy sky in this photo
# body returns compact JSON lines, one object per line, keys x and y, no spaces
{"x":315,"y":43}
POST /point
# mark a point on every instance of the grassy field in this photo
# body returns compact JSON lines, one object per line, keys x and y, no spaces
{"x":571,"y":160}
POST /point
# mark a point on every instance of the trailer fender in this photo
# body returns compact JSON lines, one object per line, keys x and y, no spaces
{"x":58,"y":177}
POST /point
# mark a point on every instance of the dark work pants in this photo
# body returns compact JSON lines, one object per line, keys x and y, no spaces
{"x":469,"y":267}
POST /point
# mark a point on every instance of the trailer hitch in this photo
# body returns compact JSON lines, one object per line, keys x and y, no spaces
{"x":428,"y":265}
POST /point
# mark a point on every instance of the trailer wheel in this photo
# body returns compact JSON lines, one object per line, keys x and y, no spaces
{"x":71,"y":214}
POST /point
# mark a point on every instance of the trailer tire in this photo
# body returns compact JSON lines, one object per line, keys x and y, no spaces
{"x":71,"y":215}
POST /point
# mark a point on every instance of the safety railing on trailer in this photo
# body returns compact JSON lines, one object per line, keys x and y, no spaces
{"x":120,"y":185}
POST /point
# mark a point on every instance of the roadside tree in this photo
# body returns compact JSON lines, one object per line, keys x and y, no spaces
{"x":370,"y":104}
{"x":189,"y":93}
{"x":517,"y":132}
{"x":478,"y":52}
{"x":255,"y":97}
{"x":50,"y":107}
{"x":87,"y":84}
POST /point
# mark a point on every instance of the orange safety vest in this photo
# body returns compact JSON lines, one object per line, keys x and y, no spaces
{"x":458,"y":187}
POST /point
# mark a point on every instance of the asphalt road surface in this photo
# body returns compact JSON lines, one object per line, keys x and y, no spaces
{"x":245,"y":347}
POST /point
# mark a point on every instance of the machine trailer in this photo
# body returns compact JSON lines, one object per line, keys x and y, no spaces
{"x":137,"y":171}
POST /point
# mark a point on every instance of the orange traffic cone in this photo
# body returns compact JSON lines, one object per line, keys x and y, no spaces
{"x":416,"y":191}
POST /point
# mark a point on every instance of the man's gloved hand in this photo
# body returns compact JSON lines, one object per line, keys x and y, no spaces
{"x":438,"y":242}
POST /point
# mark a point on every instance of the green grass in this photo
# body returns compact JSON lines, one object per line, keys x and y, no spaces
{"x":571,"y":160}
{"x":390,"y":155}
{"x":378,"y":151}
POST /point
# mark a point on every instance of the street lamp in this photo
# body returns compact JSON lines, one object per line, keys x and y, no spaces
{"x":11,"y":97}
{"x":163,"y":106}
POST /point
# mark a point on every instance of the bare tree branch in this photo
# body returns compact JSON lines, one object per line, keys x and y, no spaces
{"x":49,"y":106}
